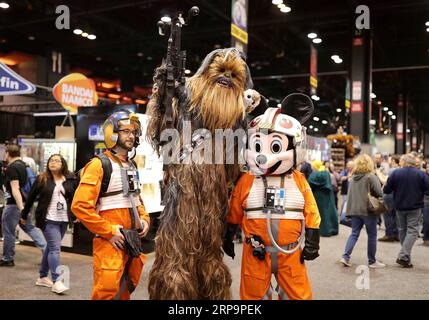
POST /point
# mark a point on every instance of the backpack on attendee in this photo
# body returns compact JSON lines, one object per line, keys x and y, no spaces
{"x":31,"y":178}
{"x":107,"y":173}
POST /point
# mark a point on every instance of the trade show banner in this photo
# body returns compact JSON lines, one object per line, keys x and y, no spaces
{"x":313,"y":70}
{"x":239,"y":35}
{"x":75,"y":90}
{"x":13,"y":84}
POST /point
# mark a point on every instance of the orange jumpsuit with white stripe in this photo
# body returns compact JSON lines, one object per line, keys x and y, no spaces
{"x":103,"y":219}
{"x":246,"y":200}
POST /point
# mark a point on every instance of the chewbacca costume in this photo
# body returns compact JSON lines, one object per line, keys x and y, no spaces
{"x":188,"y":255}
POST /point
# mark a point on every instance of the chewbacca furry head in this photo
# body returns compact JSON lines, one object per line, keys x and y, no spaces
{"x":217,"y":88}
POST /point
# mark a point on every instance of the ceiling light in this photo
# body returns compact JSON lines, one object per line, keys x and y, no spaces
{"x":285,"y":9}
{"x":92,"y":37}
{"x":385,"y":109}
{"x":427,"y":23}
{"x":166,"y":19}
{"x":315,"y":129}
{"x":77,"y":31}
{"x":311,"y":126}
{"x":373,"y":96}
{"x":317,"y":40}
{"x":279,"y":105}
{"x":187,"y":71}
{"x":386,"y":132}
{"x":314,"y":97}
{"x":408,"y":130}
{"x":372,"y":122}
{"x":312,"y":35}
{"x":324,"y":122}
{"x":31,"y":38}
{"x":393,"y":117}
{"x":390,"y":113}
{"x":379,"y":103}
{"x":85,"y":34}
{"x":98,"y":58}
{"x":335,"y":57}
{"x":427,"y":30}
{"x":316,"y":119}
{"x":338,"y":61}
{"x":277,"y":2}
{"x":140,"y":54}
{"x":4,"y":5}
{"x":339,"y":110}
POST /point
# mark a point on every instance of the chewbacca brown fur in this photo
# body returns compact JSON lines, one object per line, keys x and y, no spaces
{"x":188,"y":255}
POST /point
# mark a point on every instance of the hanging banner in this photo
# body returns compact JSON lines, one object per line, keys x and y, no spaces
{"x":12,"y":83}
{"x":75,"y":90}
{"x":313,"y":69}
{"x":239,"y":36}
{"x":347,"y":94}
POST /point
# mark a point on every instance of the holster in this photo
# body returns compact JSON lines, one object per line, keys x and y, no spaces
{"x":133,"y":245}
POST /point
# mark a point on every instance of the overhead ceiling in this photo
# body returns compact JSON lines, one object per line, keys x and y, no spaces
{"x":128,"y":46}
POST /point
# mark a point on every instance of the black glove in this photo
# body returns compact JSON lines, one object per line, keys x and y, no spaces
{"x":228,"y":244}
{"x":133,"y":244}
{"x":311,"y":247}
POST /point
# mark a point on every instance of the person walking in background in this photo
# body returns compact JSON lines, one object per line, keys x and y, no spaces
{"x":408,"y":185}
{"x":54,"y":188}
{"x":363,"y":181}
{"x":335,"y":179}
{"x":320,"y":183}
{"x":391,"y":228}
{"x":426,"y":214}
{"x":345,"y":176}
{"x":15,"y":179}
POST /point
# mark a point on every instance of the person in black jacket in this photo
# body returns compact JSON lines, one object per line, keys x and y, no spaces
{"x":55,"y":189}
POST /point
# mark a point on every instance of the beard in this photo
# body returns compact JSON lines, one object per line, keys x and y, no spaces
{"x":123,"y":144}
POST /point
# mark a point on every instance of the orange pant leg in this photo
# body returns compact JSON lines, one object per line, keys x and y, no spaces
{"x":292,"y":277}
{"x":109,"y":265}
{"x":255,"y":275}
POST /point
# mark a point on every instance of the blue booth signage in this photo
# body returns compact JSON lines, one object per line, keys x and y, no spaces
{"x":12,"y":83}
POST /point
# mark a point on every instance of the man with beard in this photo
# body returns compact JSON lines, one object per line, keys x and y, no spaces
{"x":188,"y":247}
{"x":106,"y":212}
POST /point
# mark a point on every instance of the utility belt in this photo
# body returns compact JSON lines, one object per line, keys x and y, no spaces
{"x":259,"y":249}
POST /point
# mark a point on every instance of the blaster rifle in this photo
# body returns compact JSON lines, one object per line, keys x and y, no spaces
{"x":174,"y":64}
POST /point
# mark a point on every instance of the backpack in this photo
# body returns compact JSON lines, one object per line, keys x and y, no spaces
{"x":107,"y":173}
{"x":31,"y":178}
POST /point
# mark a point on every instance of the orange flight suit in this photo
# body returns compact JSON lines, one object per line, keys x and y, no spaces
{"x":256,"y":274}
{"x":109,"y":262}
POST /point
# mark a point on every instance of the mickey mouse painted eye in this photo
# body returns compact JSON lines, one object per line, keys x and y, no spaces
{"x":276,"y":146}
{"x":258,"y":146}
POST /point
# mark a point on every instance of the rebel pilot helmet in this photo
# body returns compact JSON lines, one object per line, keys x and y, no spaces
{"x":277,"y":139}
{"x":114,"y":121}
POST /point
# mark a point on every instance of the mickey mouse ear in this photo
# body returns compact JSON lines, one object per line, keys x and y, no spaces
{"x":298,"y":106}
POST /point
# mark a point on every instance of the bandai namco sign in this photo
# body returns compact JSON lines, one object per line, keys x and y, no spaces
{"x":75,"y":90}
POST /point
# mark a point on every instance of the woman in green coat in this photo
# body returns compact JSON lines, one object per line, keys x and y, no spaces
{"x":320,"y":183}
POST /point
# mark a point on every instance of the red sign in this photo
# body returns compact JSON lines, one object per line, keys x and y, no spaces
{"x":357,"y":107}
{"x":357,"y":42}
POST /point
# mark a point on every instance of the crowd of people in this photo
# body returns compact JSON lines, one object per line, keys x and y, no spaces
{"x":401,"y":185}
{"x":53,"y":190}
